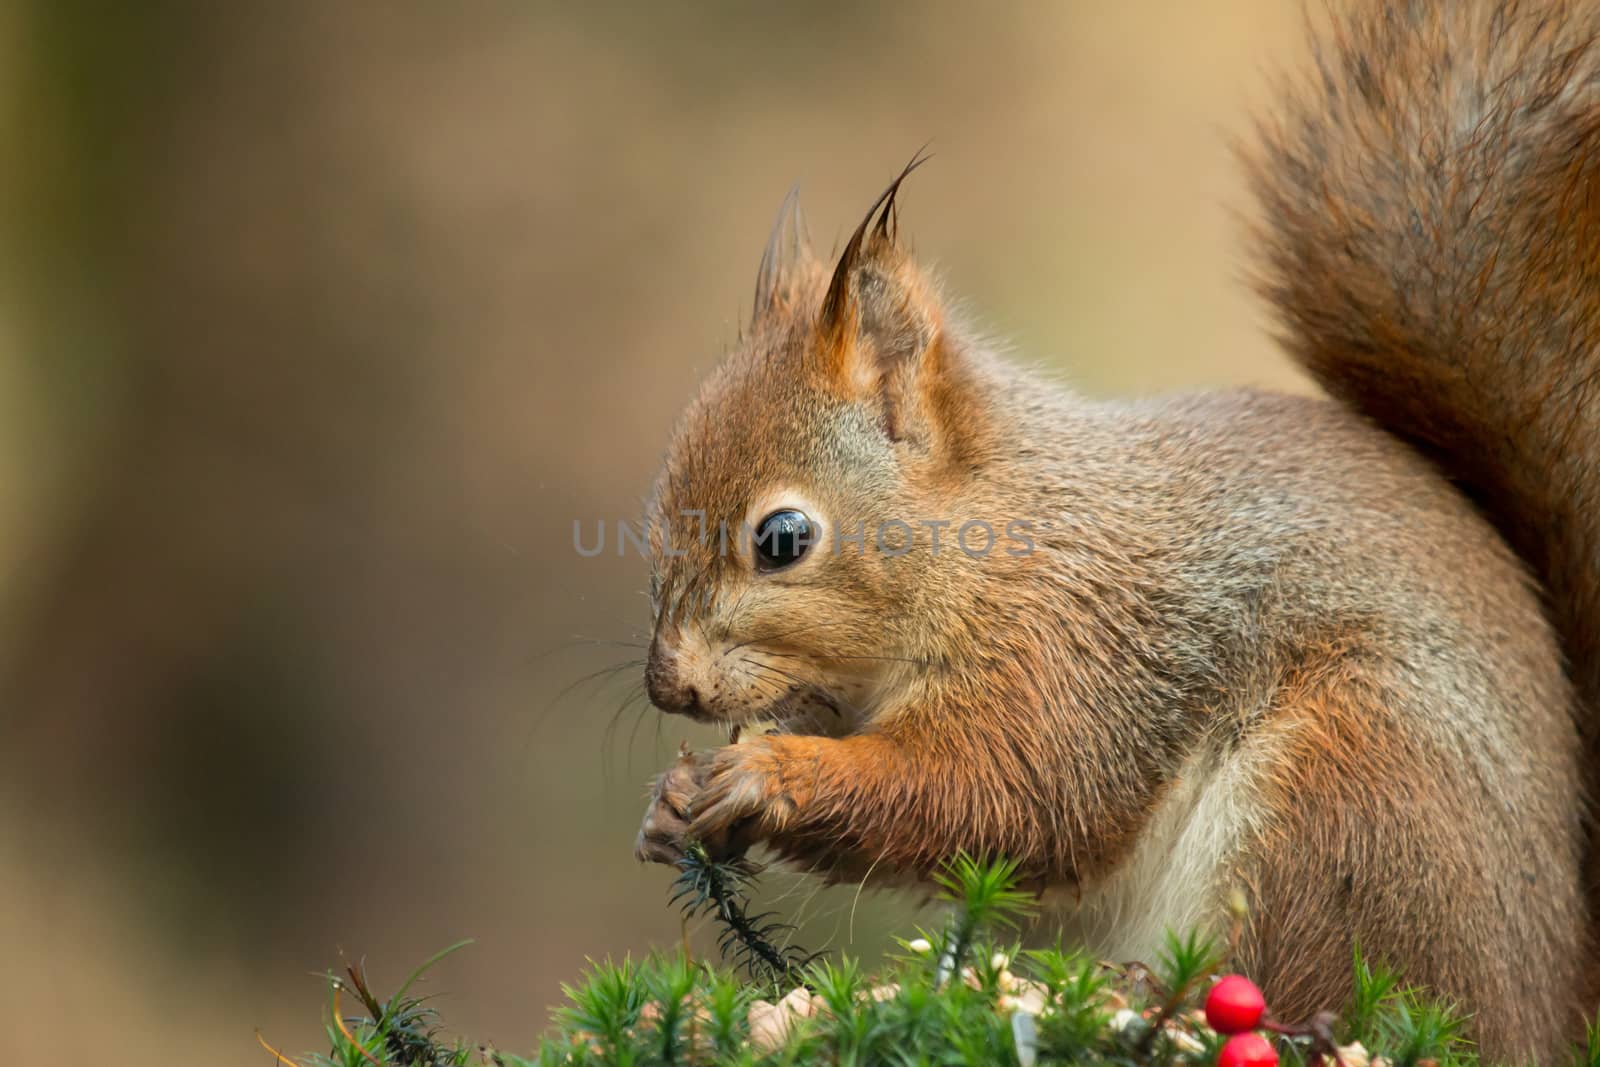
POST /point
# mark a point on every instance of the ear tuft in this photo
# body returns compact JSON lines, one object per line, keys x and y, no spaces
{"x":786,"y":260}
{"x":837,"y":309}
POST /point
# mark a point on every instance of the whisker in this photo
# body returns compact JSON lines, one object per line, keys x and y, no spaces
{"x":845,"y":656}
{"x":738,"y":607}
{"x":602,"y":676}
{"x":635,"y":695}
{"x":637,"y":638}
{"x":603,"y":672}
{"x":644,"y":710}
{"x":850,"y":935}
{"x":581,"y":641}
{"x":763,"y":638}
{"x":767,"y":668}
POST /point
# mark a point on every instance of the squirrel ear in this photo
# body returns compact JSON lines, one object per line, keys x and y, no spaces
{"x":787,"y":259}
{"x":879,"y":332}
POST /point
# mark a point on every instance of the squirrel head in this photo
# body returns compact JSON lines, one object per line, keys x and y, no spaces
{"x":790,"y":553}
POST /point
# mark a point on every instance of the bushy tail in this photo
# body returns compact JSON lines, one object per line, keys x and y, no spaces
{"x":1430,"y":240}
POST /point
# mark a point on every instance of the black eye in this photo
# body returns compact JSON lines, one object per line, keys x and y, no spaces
{"x":782,"y":538}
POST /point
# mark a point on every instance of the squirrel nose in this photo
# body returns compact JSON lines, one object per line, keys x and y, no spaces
{"x":667,"y":690}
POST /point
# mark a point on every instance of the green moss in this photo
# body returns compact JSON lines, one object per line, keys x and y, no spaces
{"x":965,"y":994}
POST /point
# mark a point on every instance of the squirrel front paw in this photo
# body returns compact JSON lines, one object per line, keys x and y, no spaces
{"x":726,"y":800}
{"x":665,"y":831}
{"x":746,"y":796}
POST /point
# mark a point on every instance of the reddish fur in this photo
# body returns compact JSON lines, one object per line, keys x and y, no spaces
{"x":1477,"y":128}
{"x":1268,"y":596}
{"x":1352,"y":774}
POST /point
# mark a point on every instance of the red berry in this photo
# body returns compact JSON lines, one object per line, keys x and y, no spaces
{"x":1247,"y":1050}
{"x":1234,"y":1005}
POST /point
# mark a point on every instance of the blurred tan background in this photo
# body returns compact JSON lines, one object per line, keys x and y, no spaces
{"x":319,"y":326}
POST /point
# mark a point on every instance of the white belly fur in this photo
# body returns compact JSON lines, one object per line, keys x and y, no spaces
{"x":1175,"y":878}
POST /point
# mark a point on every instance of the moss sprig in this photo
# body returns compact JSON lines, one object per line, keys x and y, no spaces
{"x":757,"y":942}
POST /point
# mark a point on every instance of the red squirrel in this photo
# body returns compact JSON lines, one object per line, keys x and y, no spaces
{"x":1341,"y":655}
